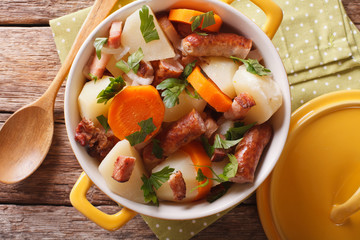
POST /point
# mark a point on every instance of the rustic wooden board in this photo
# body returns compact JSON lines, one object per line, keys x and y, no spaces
{"x":39,"y":207}
{"x":54,"y":222}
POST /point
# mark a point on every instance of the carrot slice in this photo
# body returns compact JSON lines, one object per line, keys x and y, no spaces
{"x":185,"y":16}
{"x":133,"y":105}
{"x":209,"y":91}
{"x":200,"y":158}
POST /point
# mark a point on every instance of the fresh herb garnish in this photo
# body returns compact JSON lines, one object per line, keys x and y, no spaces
{"x":223,"y":143}
{"x":208,"y":148}
{"x":93,"y":77}
{"x":133,"y":62}
{"x":253,"y":66}
{"x":156,"y":149}
{"x":147,"y":25}
{"x":207,"y":20}
{"x":174,"y":86}
{"x":103,"y":121}
{"x":155,"y":181}
{"x":201,"y":33}
{"x":147,"y":127}
{"x":98,"y":44}
{"x":115,"y":86}
{"x":238,"y":130}
{"x":229,"y":171}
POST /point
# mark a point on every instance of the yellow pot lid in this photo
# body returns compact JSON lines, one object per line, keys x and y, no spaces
{"x":319,"y":167}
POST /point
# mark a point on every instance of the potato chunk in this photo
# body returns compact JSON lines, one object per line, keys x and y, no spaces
{"x":186,"y":105}
{"x":132,"y":188}
{"x":132,"y":37}
{"x":263,"y":89}
{"x":181,"y":161}
{"x":221,"y":71}
{"x":88,"y":106}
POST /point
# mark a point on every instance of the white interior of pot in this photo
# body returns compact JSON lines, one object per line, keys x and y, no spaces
{"x":280,"y":120}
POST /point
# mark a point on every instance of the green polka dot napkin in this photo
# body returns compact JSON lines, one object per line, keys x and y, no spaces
{"x":317,"y":43}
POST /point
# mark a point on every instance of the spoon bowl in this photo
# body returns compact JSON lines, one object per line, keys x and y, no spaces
{"x":26,"y":136}
{"x":25,"y":139}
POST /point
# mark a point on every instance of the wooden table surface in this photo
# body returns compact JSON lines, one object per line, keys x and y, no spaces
{"x":39,"y":207}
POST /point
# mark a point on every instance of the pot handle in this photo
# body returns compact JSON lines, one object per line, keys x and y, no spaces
{"x":273,"y":14}
{"x":79,"y":201}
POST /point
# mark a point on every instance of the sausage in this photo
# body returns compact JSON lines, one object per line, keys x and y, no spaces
{"x":240,"y":107}
{"x":167,"y":68}
{"x":219,"y":155}
{"x":97,"y":142}
{"x":182,"y":132}
{"x":177,"y":135}
{"x":123,"y":168}
{"x":115,"y":35}
{"x":249,"y":150}
{"x":177,"y":185}
{"x":145,"y":70}
{"x":221,"y":44}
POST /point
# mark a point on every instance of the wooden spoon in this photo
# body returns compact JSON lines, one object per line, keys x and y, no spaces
{"x":26,"y":136}
{"x":339,"y":213}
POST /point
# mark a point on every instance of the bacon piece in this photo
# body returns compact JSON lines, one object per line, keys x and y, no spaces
{"x":167,"y":68}
{"x":177,"y":185}
{"x":219,"y":155}
{"x":97,"y":66}
{"x":221,"y":44}
{"x":177,"y":135}
{"x":183,"y":29}
{"x":211,"y":127}
{"x":123,"y":168}
{"x":185,"y":60}
{"x":115,"y":35}
{"x":170,"y":31}
{"x":145,"y":70}
{"x":249,"y":150}
{"x":97,"y":142}
{"x":240,"y":106}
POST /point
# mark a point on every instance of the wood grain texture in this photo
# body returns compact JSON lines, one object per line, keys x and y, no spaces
{"x":39,"y":207}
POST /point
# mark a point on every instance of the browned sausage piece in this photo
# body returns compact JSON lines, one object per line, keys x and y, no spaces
{"x":145,"y":70}
{"x":221,"y":44}
{"x":177,"y":185}
{"x":97,"y":142}
{"x":123,"y":168}
{"x":182,"y":132}
{"x":249,"y":150}
{"x":177,"y":135}
{"x":219,"y":155}
{"x":240,"y":106}
{"x":167,"y":68}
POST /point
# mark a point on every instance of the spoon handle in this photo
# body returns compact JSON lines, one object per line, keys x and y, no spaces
{"x":340,"y":213}
{"x":99,"y":12}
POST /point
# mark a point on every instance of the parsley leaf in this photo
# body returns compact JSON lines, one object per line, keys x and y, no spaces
{"x":93,"y":77}
{"x":208,"y":148}
{"x":207,"y":20}
{"x":238,"y":130}
{"x":230,"y":169}
{"x":155,"y":181}
{"x":225,"y":144}
{"x":188,"y":69}
{"x":156,"y":149}
{"x":147,"y":127}
{"x":115,"y":86}
{"x":103,"y":121}
{"x":133,"y":62}
{"x":147,"y":25}
{"x":172,"y":88}
{"x":98,"y":44}
{"x":253,"y":66}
